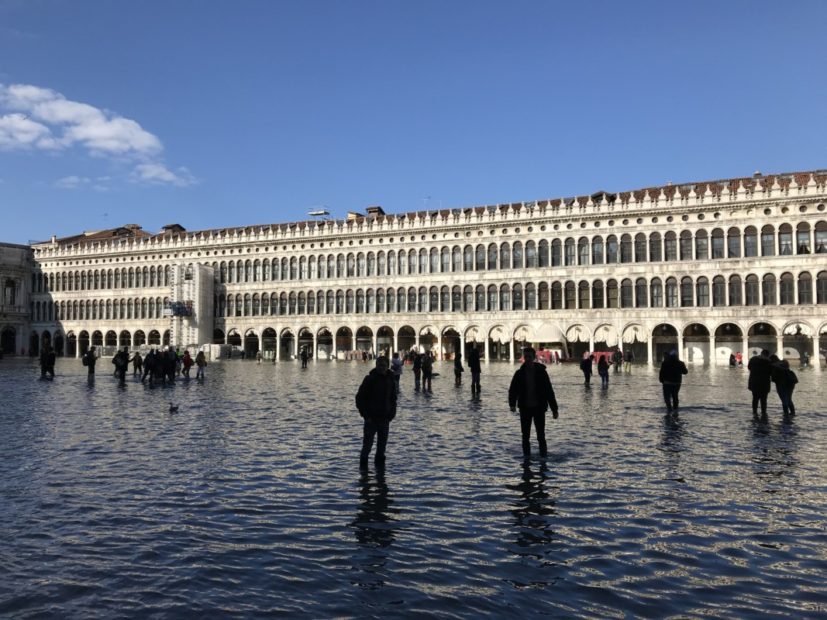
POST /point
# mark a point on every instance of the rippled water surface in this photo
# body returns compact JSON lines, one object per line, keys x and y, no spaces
{"x":248,"y":501}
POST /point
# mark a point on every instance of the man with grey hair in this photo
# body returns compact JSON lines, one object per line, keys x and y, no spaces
{"x":376,"y":402}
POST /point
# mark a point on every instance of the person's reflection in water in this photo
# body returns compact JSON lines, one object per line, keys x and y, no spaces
{"x":671,"y":445}
{"x":533,"y":512}
{"x":776,"y":453}
{"x":373,"y":527}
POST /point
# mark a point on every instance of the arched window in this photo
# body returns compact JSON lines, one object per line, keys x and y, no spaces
{"x":543,"y":257}
{"x":701,"y":245}
{"x":735,"y":291}
{"x":626,"y":249}
{"x":456,"y":256}
{"x":543,"y":296}
{"x":656,"y":248}
{"x":805,"y":288}
{"x":768,"y":286}
{"x":582,"y":251}
{"x":821,"y":287}
{"x":381,"y":264}
{"x":340,"y":302}
{"x":597,"y":294}
{"x":626,"y":293}
{"x":530,"y":255}
{"x":785,"y":240}
{"x":718,"y":244}
{"x":750,"y":241}
{"x":481,"y":258}
{"x":656,"y":293}
{"x":468,"y":258}
{"x":686,"y":245}
{"x":751,"y":292}
{"x":351,"y":266}
{"x":597,"y":251}
{"x":468,"y":299}
{"x":505,"y":297}
{"x":640,"y":248}
{"x":505,"y":256}
{"x":583,"y":298}
{"x":423,"y":261}
{"x":687,"y":297}
{"x":361,"y":265}
{"x":556,"y":296}
{"x":479,"y":298}
{"x":350,"y":305}
{"x":446,"y":260}
{"x":569,"y":252}
{"x":380,"y":301}
{"x":612,"y":296}
{"x":360,"y":301}
{"x":571,"y":295}
{"x":340,"y":266}
{"x":491,"y":302}
{"x":412,"y":299}
{"x":821,"y":238}
{"x":718,"y":291}
{"x":641,"y":293}
{"x":456,"y":299}
{"x":517,"y":255}
{"x":802,"y":238}
{"x":256,"y":305}
{"x":733,"y":243}
{"x":530,"y":296}
{"x":670,"y":246}
{"x":517,"y":297}
{"x":702,"y":292}
{"x":556,"y":253}
{"x":767,"y":241}
{"x":786,"y":290}
{"x":671,"y":293}
{"x":611,"y":250}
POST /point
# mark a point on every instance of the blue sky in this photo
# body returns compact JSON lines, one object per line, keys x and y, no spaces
{"x":214,"y":114}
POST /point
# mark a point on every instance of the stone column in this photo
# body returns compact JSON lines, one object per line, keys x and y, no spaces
{"x":649,"y":351}
{"x":745,"y":349}
{"x":487,"y":351}
{"x":278,"y":346}
{"x":439,"y":353}
{"x":376,"y":351}
{"x":511,"y":357}
{"x":315,"y":348}
{"x":296,"y":345}
{"x":681,"y":352}
{"x":779,"y":346}
{"x":815,"y":360}
{"x":395,"y":341}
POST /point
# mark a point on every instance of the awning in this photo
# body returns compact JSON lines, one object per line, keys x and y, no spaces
{"x":798,"y":329}
{"x":472,"y":334}
{"x":607,"y":334}
{"x":546,"y":332}
{"x":577,"y":333}
{"x":498,"y":334}
{"x":634,"y":333}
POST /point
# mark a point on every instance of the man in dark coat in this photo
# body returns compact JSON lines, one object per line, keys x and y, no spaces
{"x":376,"y":402}
{"x":671,"y":375}
{"x":531,"y":391}
{"x":760,"y":376}
{"x":89,"y":360}
{"x":474,"y":367}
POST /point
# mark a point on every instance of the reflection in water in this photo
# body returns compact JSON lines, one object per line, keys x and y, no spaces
{"x":373,"y":527}
{"x":534,"y":511}
{"x":775,"y":450}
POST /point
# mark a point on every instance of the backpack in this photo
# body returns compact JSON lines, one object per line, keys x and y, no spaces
{"x":85,"y":360}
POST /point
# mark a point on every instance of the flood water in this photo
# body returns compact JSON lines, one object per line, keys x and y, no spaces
{"x":249,"y":502}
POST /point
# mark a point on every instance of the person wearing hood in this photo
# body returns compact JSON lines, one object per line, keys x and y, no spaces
{"x":376,"y":402}
{"x":671,"y":374}
{"x":759,"y":383}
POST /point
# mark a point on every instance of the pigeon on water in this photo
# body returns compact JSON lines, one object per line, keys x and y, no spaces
{"x":173,"y":408}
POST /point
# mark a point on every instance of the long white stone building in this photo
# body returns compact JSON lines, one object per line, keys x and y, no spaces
{"x":708,"y":268}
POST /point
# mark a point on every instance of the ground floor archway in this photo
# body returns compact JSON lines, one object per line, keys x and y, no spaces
{"x":8,"y":341}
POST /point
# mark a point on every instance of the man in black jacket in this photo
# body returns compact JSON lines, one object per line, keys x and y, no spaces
{"x":671,"y":375}
{"x":376,"y":402}
{"x":531,"y":391}
{"x":760,"y":376}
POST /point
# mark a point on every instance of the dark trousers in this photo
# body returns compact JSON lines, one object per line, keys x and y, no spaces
{"x":538,"y":416}
{"x":604,"y":377}
{"x":475,"y":380}
{"x":417,"y":374}
{"x":786,"y":396}
{"x":759,"y":396}
{"x":371,"y":429}
{"x":426,"y":381}
{"x":670,"y":395}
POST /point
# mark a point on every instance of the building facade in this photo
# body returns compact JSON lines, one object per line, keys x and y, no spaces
{"x":708,"y":268}
{"x":16,"y":267}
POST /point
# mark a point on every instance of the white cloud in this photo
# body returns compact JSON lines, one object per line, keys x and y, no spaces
{"x":158,"y":174}
{"x":72,"y":182}
{"x":35,"y":118}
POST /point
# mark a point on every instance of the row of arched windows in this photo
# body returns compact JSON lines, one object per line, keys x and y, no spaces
{"x":102,"y":279}
{"x":583,"y":251}
{"x":626,"y":293}
{"x":94,"y":309}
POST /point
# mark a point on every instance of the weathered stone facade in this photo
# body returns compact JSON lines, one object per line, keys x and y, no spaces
{"x":706,"y":268}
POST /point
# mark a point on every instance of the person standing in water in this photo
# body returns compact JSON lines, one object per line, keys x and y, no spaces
{"x":760,"y":375}
{"x":474,"y":367}
{"x":532,"y":392}
{"x":671,"y":375}
{"x":376,"y":402}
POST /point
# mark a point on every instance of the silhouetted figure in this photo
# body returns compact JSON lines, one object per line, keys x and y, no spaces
{"x":785,"y":380}
{"x":603,"y":370}
{"x":427,"y":371}
{"x":458,"y":369}
{"x":760,"y":375}
{"x":89,"y":360}
{"x":304,"y":355}
{"x":628,"y":358}
{"x":671,"y":375}
{"x":186,"y":363}
{"x":396,"y":370}
{"x":137,"y":364}
{"x":47,"y":362}
{"x":732,"y":361}
{"x":617,"y":360}
{"x":121,"y":361}
{"x":532,"y":392}
{"x":475,"y":368}
{"x":201,"y":363}
{"x":150,"y":364}
{"x":376,"y":402}
{"x":417,"y":370}
{"x":586,"y":368}
{"x":170,"y":365}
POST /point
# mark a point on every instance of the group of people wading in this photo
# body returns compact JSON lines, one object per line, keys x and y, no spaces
{"x":158,"y":365}
{"x":532,"y":394}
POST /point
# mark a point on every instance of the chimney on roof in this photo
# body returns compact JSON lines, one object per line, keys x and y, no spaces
{"x":173,"y":228}
{"x":757,"y":174}
{"x":353,"y":215}
{"x":375,"y":210}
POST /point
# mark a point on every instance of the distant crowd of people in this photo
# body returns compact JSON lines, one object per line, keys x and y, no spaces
{"x":159,"y":365}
